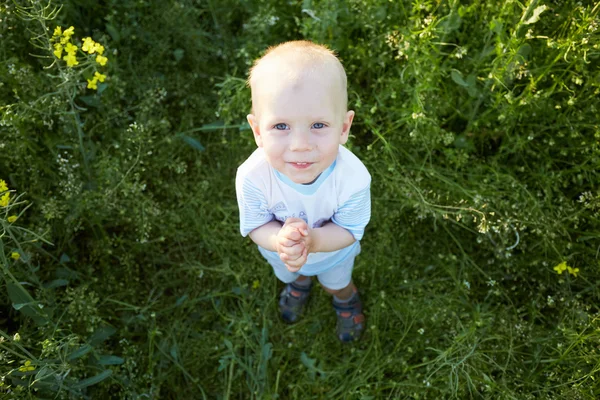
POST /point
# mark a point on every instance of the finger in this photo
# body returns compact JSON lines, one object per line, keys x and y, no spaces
{"x":292,"y":269}
{"x":293,"y":235}
{"x":294,"y":251}
{"x":288,"y":243}
{"x":292,"y":220}
{"x":299,"y":262}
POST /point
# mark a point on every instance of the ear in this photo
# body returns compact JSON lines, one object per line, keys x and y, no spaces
{"x":254,"y":125}
{"x":346,"y":126}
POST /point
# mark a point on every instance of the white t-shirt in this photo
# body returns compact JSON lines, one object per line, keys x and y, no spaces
{"x":341,"y":194}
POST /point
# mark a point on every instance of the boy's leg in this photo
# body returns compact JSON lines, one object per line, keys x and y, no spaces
{"x":293,"y":297}
{"x":346,"y":301}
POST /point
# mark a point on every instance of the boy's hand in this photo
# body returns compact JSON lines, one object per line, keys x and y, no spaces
{"x":292,"y":244}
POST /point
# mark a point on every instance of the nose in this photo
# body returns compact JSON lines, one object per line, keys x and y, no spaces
{"x":301,"y":141}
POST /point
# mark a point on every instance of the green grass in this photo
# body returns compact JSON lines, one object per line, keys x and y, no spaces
{"x":477,"y":122}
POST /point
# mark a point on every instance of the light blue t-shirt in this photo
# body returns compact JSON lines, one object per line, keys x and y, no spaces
{"x":341,"y":194}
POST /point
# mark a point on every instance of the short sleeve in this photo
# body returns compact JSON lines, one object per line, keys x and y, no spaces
{"x":355,"y":213}
{"x":253,"y":207}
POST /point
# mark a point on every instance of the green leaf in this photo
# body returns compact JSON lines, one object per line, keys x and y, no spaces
{"x":524,"y":50}
{"x":101,"y":334}
{"x":110,"y":360}
{"x":18,"y":294}
{"x":22,"y":301}
{"x":56,"y":283}
{"x":178,"y":54}
{"x":181,"y":300}
{"x":451,"y":22}
{"x":192,"y":142}
{"x":457,"y":77}
{"x":80,"y":352}
{"x":536,"y":15}
{"x":93,"y":380}
{"x":113,"y":32}
{"x":496,"y":26}
{"x":101,"y":88}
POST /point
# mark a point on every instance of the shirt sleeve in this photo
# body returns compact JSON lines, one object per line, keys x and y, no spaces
{"x":355,"y":213}
{"x":253,"y":207}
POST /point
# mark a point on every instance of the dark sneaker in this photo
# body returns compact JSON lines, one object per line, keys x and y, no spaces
{"x":350,"y":319}
{"x":292,"y":300}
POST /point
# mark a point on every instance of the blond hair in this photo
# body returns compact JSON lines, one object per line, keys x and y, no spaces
{"x":293,"y":60}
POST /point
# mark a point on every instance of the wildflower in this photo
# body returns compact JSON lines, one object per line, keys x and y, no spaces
{"x":98,"y":48}
{"x":101,"y":60}
{"x":573,"y":271}
{"x":4,"y":200}
{"x":560,"y":268}
{"x":71,"y":49}
{"x":256,"y":284}
{"x":69,"y":32}
{"x":17,"y":337}
{"x":100,"y":77}
{"x":92,"y":84}
{"x":67,"y":35}
{"x":71,"y":60}
{"x":3,"y":186}
{"x":26,"y":367}
{"x":58,"y":49}
{"x":12,"y":218}
{"x":57,"y":31}
{"x":15,"y":256}
{"x":88,"y":45}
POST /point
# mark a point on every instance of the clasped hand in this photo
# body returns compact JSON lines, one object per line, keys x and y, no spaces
{"x":293,"y":243}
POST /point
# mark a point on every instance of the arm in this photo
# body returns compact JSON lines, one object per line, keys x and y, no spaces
{"x":265,"y":235}
{"x":329,"y":237}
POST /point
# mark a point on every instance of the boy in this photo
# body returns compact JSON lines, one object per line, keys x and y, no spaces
{"x":304,"y":199}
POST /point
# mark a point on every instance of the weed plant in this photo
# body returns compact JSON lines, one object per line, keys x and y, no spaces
{"x":124,"y":274}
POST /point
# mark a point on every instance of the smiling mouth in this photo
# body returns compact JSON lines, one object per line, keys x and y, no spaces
{"x":301,"y":165}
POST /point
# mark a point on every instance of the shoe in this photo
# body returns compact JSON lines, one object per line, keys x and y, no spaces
{"x":350,"y":319}
{"x":292,"y":300}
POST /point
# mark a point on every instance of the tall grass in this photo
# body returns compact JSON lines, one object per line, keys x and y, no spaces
{"x":124,"y":274}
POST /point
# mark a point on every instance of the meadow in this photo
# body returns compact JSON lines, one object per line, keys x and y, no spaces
{"x":122,"y":124}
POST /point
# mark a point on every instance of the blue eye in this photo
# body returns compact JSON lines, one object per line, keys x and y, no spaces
{"x":280,"y":126}
{"x":318,"y":125}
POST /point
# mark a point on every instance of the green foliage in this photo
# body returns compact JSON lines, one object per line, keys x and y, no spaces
{"x":124,"y":274}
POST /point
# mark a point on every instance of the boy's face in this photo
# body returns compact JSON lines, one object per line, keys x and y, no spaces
{"x":300,"y":125}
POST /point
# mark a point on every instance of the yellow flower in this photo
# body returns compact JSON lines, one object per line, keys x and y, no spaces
{"x":101,"y":60}
{"x":57,"y":31}
{"x":71,"y":60}
{"x":88,"y":45}
{"x":573,"y":271}
{"x":69,"y":32}
{"x":98,"y":48}
{"x":4,"y":200}
{"x":26,"y":367}
{"x":92,"y":84}
{"x":3,"y":186}
{"x":14,"y":255}
{"x":58,"y":49}
{"x":100,"y":77}
{"x":12,"y":218}
{"x":560,"y":268}
{"x":71,"y":49}
{"x":256,"y":284}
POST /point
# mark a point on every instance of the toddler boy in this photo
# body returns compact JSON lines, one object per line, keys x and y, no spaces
{"x":304,"y":199}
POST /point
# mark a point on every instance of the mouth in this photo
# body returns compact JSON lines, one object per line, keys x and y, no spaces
{"x":301,"y":165}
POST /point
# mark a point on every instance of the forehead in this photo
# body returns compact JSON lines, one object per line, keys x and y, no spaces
{"x":285,"y":92}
